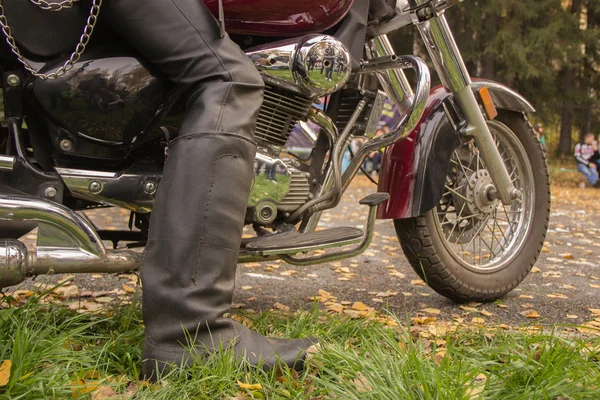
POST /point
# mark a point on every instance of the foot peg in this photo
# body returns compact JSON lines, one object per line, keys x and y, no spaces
{"x":374,"y":199}
{"x":288,"y":244}
{"x":292,"y":243}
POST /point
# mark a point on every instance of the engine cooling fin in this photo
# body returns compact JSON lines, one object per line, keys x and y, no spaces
{"x":280,"y":112}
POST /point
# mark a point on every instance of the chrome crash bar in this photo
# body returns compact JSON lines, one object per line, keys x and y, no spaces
{"x":335,"y":184}
{"x":410,"y":119}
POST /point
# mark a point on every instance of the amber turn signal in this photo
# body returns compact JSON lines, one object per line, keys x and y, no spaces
{"x":488,"y":103}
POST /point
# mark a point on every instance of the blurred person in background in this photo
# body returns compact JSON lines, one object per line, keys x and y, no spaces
{"x":539,"y":132}
{"x":373,"y":162}
{"x":584,"y":155}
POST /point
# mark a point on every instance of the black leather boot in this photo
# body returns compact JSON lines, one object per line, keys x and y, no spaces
{"x":188,"y":266}
{"x":190,"y":260}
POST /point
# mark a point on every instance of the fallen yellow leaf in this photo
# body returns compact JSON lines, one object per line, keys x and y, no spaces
{"x":557,"y":296}
{"x":386,"y":294}
{"x":525,"y":296}
{"x":338,"y":308}
{"x":282,"y":307}
{"x":359,"y":306}
{"x":431,"y":311}
{"x":104,"y":392}
{"x":5,"y":372}
{"x":530,"y":314}
{"x":249,"y":386}
{"x":418,"y":282}
{"x":535,"y":270}
{"x":104,"y":299}
{"x":128,"y":289}
{"x":82,"y":387}
{"x":397,"y":274}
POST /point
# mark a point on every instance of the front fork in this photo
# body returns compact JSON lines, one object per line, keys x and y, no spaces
{"x":451,"y":69}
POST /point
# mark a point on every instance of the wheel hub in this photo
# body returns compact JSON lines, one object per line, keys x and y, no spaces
{"x":482,"y":194}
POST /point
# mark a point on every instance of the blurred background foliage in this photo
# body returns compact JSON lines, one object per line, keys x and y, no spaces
{"x":547,"y":50}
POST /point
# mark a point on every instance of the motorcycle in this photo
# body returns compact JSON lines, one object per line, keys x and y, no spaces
{"x":463,"y":176}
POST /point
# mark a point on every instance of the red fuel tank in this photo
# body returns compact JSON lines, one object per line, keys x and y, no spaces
{"x":280,"y":17}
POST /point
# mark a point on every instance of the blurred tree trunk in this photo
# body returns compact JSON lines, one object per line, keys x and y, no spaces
{"x":568,"y":90}
{"x":567,"y":115}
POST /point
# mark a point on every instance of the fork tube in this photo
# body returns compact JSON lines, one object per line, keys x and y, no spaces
{"x":455,"y":77}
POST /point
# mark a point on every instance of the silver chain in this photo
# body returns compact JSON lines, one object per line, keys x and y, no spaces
{"x":79,"y":49}
{"x":61,"y":5}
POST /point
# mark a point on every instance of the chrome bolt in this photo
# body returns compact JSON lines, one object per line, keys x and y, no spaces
{"x":515,"y":194}
{"x":95,"y":187}
{"x":66,"y":145}
{"x":491,"y":193}
{"x":50,"y":192}
{"x":150,"y":187}
{"x":266,"y":213}
{"x":13,"y":80}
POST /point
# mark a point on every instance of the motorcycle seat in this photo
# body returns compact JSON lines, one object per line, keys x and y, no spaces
{"x":41,"y":34}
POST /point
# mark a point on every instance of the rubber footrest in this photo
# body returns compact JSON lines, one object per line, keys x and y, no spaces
{"x":293,"y":241}
{"x":375,"y":199}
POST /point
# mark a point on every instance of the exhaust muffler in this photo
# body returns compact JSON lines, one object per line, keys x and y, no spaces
{"x":13,"y":262}
{"x":67,"y":242}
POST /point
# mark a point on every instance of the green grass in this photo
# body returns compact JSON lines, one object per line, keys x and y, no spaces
{"x":59,"y":353}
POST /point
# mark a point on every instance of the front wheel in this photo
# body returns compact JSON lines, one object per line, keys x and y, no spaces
{"x":471,"y":247}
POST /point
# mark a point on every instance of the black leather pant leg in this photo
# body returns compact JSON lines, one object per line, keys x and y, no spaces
{"x":182,"y":39}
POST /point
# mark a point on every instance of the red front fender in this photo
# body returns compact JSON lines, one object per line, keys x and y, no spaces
{"x":414,"y":170}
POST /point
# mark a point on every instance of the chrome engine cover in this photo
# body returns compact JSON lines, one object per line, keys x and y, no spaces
{"x":278,"y":187}
{"x":315,"y":64}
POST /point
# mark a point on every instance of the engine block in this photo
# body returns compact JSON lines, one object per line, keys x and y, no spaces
{"x":280,"y":112}
{"x":278,"y":187}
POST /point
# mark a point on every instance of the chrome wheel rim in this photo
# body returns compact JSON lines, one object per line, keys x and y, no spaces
{"x":477,"y":230}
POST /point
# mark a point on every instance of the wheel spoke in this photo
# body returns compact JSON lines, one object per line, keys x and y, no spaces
{"x":460,"y":164}
{"x":454,"y":192}
{"x":484,"y":240}
{"x":454,"y":227}
{"x":477,"y":233}
{"x":459,"y":220}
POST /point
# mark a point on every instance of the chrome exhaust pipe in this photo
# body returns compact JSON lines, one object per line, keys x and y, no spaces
{"x":7,"y":163}
{"x":13,"y":262}
{"x":67,"y":243}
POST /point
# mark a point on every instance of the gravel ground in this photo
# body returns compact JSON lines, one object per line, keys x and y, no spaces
{"x":563,"y":287}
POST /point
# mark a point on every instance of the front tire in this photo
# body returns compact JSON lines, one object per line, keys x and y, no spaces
{"x":472,"y":248}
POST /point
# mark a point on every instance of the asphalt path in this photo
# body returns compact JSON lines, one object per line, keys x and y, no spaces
{"x":562,"y":288}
